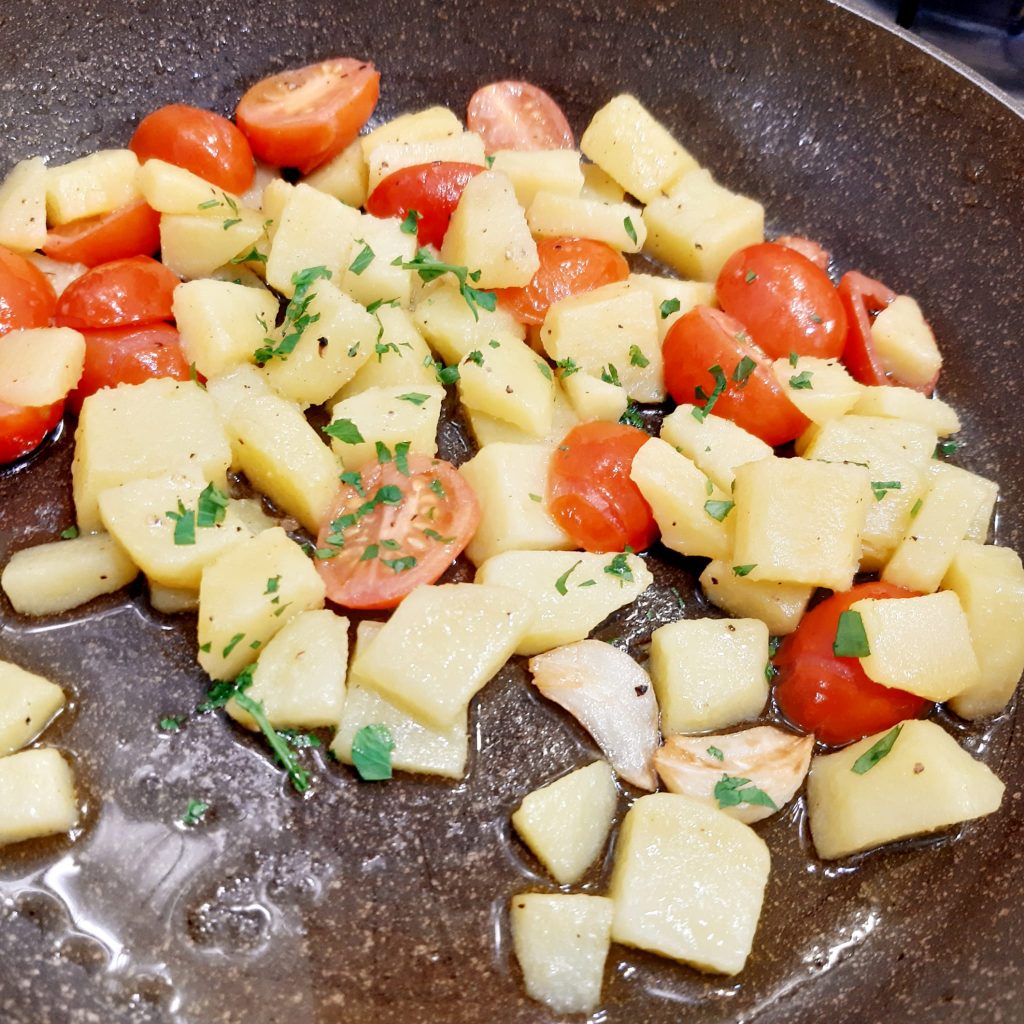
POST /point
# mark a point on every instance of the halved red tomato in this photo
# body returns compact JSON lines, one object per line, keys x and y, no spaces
{"x":27,"y":298}
{"x":433,"y":190}
{"x":133,"y":291}
{"x":568,"y":266}
{"x":22,"y":428}
{"x":590,"y":493}
{"x":304,"y":117}
{"x":518,"y":115}
{"x":392,"y":527}
{"x":864,"y":298}
{"x":808,"y":248}
{"x":131,"y":230}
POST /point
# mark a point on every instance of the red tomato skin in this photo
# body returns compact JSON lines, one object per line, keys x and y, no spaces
{"x":27,"y":298}
{"x":336,"y":99}
{"x":23,"y":428}
{"x":833,"y":697}
{"x":707,"y":337}
{"x":433,"y":190}
{"x":568,"y":266}
{"x":131,"y":230}
{"x":198,"y":140}
{"x":518,"y":115}
{"x":590,"y":493}
{"x":138,"y":290}
{"x":786,"y":302}
{"x":808,"y":248}
{"x":128,"y":355}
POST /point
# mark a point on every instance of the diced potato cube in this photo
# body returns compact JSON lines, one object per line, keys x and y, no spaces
{"x":709,"y":673}
{"x":172,"y":600}
{"x":566,"y":822}
{"x":330,"y":350}
{"x":379,"y":279}
{"x":507,"y":380}
{"x":688,"y":883}
{"x":561,"y":943}
{"x":904,"y":343}
{"x":450,"y":328}
{"x":252,"y":197}
{"x":633,"y":147}
{"x":610,"y":327}
{"x":141,"y":516}
{"x":907,"y":404}
{"x":510,"y":482}
{"x":832,"y":392}
{"x":780,"y":606}
{"x":136,"y":431}
{"x":300,"y":675}
{"x":388,"y":157}
{"x":276,"y":194}
{"x":488,"y":233}
{"x":222,"y":324}
{"x":556,"y":171}
{"x":23,"y":206}
{"x":346,"y":177}
{"x":700,"y":225}
{"x":385,"y":415}
{"x":283,"y":458}
{"x":950,"y":507}
{"x":901,"y":635}
{"x":989,"y":582}
{"x":926,"y":782}
{"x":194,"y":246}
{"x":694,"y":517}
{"x":314,"y":230}
{"x":673,"y":298}
{"x":27,"y":704}
{"x":441,"y":645}
{"x":40,"y":366}
{"x":236,"y":389}
{"x":91,"y":185}
{"x":593,"y":398}
{"x":52,"y":578}
{"x":573,"y":591}
{"x":799,"y":521}
{"x":490,"y":430}
{"x":37,"y":796}
{"x":981,"y":524}
{"x":426,"y":749}
{"x":169,"y":188}
{"x":419,"y":126}
{"x":717,"y":446}
{"x":239,"y":610}
{"x":552,"y":215}
{"x":599,"y":185}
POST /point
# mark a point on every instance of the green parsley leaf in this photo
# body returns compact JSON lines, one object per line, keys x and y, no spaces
{"x":416,"y":397}
{"x":377,"y":303}
{"x":231,"y":222}
{"x":793,"y":359}
{"x":801,"y":381}
{"x":194,"y":812}
{"x":212,"y":507}
{"x":209,"y":204}
{"x":184,"y":525}
{"x":344,"y":431}
{"x":743,"y":370}
{"x":273,"y":583}
{"x":383,"y":452}
{"x":69,"y":533}
{"x":389,"y":494}
{"x":817,"y":319}
{"x":730,"y":791}
{"x":851,"y":641}
{"x":916,"y":508}
{"x":232,"y":644}
{"x":668,"y":307}
{"x":709,"y":487}
{"x":631,"y":416}
{"x":587,"y":583}
{"x":719,"y":509}
{"x":430,"y":268}
{"x":446,"y":374}
{"x":637,"y":358}
{"x":947,"y":447}
{"x":205,"y":648}
{"x":563,"y":579}
{"x":566,"y":367}
{"x":371,"y":752}
{"x":610,"y":375}
{"x":170,"y":723}
{"x":750,"y":277}
{"x":278,"y":742}
{"x":545,"y":370}
{"x":876,"y":751}
{"x":716,"y":753}
{"x":402,"y":457}
{"x":535,"y":497}
{"x":296,"y":316}
{"x":438,"y":488}
{"x":619,"y":567}
{"x":744,"y":570}
{"x":434,"y":535}
{"x":411,"y":222}
{"x":400,"y":564}
{"x":252,"y":256}
{"x":363,"y":259}
{"x":494,"y":344}
{"x":300,"y":740}
{"x":476,"y":356}
{"x":630,"y":230}
{"x":700,"y":414}
{"x":370,"y":552}
{"x":353,"y":479}
{"x":881,"y":487}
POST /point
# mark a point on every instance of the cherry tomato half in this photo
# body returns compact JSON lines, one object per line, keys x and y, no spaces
{"x":864,"y":298}
{"x":786,"y":302}
{"x":518,"y":115}
{"x":133,"y":291}
{"x":433,"y":190}
{"x":198,"y":140}
{"x":128,"y":355}
{"x":590,"y":492}
{"x":705,"y":338}
{"x":304,"y":117}
{"x":568,"y":266}
{"x":807,"y":248}
{"x":22,"y":428}
{"x":27,"y":298}
{"x":833,"y":697}
{"x":131,"y":230}
{"x":400,"y":530}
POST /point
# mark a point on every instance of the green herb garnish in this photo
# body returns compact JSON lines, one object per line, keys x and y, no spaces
{"x":637,"y":358}
{"x":194,"y":812}
{"x":619,"y":568}
{"x":744,"y":570}
{"x":345,"y":431}
{"x":363,"y":259}
{"x":719,"y":509}
{"x":429,"y":268}
{"x":630,"y":230}
{"x":851,"y":641}
{"x":371,"y":752}
{"x":563,"y":579}
{"x":801,"y":381}
{"x":668,"y":307}
{"x":730,"y":791}
{"x":876,"y":752}
{"x":416,"y":397}
{"x":411,"y":222}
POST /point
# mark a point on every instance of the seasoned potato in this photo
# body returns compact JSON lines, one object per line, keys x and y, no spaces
{"x":40,"y":366}
{"x":175,"y":190}
{"x":906,"y":404}
{"x":780,"y":606}
{"x":28,"y":702}
{"x":904,"y":343}
{"x":593,"y":398}
{"x":418,"y":126}
{"x":91,"y":185}
{"x":194,"y":246}
{"x":555,"y":171}
{"x":37,"y":795}
{"x":388,"y":157}
{"x":490,"y":430}
{"x":346,"y":177}
{"x":619,"y":225}
{"x":597,"y":184}
{"x":23,"y":206}
{"x":673,"y":298}
{"x":371,"y":275}
{"x":450,"y":328}
{"x":832,"y":392}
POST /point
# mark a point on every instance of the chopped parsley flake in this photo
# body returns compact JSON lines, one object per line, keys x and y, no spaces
{"x":716,"y":753}
{"x":363,"y":259}
{"x":416,"y":397}
{"x":730,"y":791}
{"x":619,"y":568}
{"x":881,"y":487}
{"x":296,"y":317}
{"x":630,"y":230}
{"x":946,"y":447}
{"x":402,"y":457}
{"x":345,"y":431}
{"x":793,"y":359}
{"x":744,"y":570}
{"x":544,"y":369}
{"x":876,"y":751}
{"x":170,"y":723}
{"x":668,"y":307}
{"x":273,"y":584}
{"x":610,"y":375}
{"x":535,"y":497}
{"x":400,"y":564}
{"x":631,"y":416}
{"x":566,"y":367}
{"x":743,"y":370}
{"x":410,"y":222}
{"x":476,"y":356}
{"x":637,"y":358}
{"x":438,"y":488}
{"x":700,"y":414}
{"x":70,"y":533}
{"x":355,"y":480}
{"x":184,"y":525}
{"x":212,"y":507}
{"x":232,"y":644}
{"x":851,"y":641}
{"x":194,"y":812}
{"x":564,"y":578}
{"x":430,"y":268}
{"x":718,"y":509}
{"x":916,"y":508}
{"x":750,"y":277}
{"x":371,"y":752}
{"x":801,"y":381}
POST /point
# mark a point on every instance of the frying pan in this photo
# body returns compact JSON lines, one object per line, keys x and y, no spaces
{"x":385,"y":902}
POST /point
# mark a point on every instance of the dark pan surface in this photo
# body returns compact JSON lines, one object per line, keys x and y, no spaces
{"x":385,"y":903}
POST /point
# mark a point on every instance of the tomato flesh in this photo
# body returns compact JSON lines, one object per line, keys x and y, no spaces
{"x":27,"y":298}
{"x":568,"y":266}
{"x":830,"y":696}
{"x":133,"y":291}
{"x":864,"y":298}
{"x":23,"y":428}
{"x":808,"y":248}
{"x":306,"y":116}
{"x":786,"y":302}
{"x":394,"y":530}
{"x":433,"y":190}
{"x":130,"y":230}
{"x":198,"y":140}
{"x":704,"y":338}
{"x":590,"y":493}
{"x":128,"y":355}
{"x":518,"y":115}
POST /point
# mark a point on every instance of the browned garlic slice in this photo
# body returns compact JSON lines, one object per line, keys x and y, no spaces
{"x":772,"y":760}
{"x":613,"y":699}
